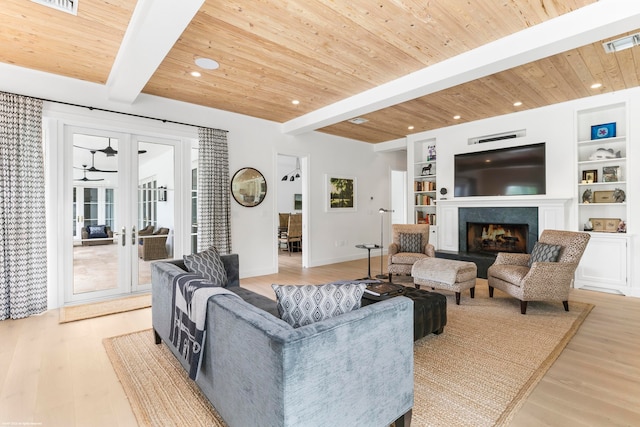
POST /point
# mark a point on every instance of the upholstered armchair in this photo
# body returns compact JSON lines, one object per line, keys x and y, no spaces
{"x":544,"y":275}
{"x":409,"y":243}
{"x":153,"y":246}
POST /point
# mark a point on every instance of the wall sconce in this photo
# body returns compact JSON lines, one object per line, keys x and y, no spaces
{"x":162,"y":193}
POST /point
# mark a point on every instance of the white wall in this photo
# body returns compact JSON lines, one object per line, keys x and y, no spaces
{"x":287,"y":189}
{"x":555,"y":125}
{"x":252,"y":142}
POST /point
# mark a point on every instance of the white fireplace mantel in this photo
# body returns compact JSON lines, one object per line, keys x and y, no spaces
{"x":552,"y":213}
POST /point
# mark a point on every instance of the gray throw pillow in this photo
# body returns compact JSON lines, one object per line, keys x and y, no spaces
{"x":209,"y":265}
{"x":411,"y":242}
{"x":306,"y":304}
{"x":543,"y":252}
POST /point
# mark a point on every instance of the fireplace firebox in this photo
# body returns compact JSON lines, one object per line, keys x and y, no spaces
{"x":496,"y":237}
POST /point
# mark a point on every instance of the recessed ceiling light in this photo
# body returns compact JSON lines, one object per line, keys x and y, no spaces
{"x":456,"y":117}
{"x":295,"y":102}
{"x":195,"y":74}
{"x":517,"y":104}
{"x":596,"y":85}
{"x":358,"y":121}
{"x":207,"y":63}
{"x":410,"y":128}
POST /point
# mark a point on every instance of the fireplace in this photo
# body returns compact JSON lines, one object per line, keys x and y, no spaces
{"x":485,"y":237}
{"x":507,"y":229}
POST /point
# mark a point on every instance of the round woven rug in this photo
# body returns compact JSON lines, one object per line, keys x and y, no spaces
{"x":477,"y":373}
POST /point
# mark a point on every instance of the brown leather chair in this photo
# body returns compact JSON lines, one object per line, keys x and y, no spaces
{"x":543,"y":280}
{"x":401,"y":255}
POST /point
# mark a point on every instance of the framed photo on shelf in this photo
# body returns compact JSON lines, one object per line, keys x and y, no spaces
{"x":589,"y":176}
{"x":610,"y":173}
{"x":340,"y":193}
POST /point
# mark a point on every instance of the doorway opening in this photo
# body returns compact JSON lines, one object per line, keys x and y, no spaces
{"x":291,"y":237}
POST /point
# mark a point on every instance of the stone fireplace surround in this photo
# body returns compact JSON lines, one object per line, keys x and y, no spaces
{"x":499,"y":215}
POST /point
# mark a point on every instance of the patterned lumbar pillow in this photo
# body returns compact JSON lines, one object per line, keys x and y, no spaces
{"x":543,"y":252}
{"x":207,"y":264}
{"x":411,"y":242}
{"x":306,"y":304}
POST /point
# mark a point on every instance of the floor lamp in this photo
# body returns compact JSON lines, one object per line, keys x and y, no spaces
{"x":382,"y":211}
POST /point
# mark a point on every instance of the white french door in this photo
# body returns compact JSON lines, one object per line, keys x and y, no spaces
{"x":120,"y":196}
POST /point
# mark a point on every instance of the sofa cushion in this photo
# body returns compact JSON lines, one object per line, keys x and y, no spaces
{"x":543,"y":252}
{"x":411,"y":242}
{"x":97,"y":231}
{"x":209,"y":265}
{"x":306,"y":304}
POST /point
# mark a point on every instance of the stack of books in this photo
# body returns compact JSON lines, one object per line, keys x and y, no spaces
{"x":383,"y":289}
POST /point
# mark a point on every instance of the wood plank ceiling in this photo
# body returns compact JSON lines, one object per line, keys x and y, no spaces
{"x":319,"y":52}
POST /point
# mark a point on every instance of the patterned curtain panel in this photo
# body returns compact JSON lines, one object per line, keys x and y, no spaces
{"x":214,"y":210}
{"x":23,"y":256}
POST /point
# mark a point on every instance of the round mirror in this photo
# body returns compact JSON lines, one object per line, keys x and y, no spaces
{"x":248,"y":187}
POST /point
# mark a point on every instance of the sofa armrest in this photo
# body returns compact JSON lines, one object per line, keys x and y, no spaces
{"x":549,"y":280}
{"x":309,"y":375}
{"x":429,"y":250}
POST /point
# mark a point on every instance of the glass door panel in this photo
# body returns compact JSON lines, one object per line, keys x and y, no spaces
{"x":156,"y":206}
{"x":94,"y":180}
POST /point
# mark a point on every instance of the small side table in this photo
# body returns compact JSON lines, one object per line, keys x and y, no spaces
{"x":368,"y":248}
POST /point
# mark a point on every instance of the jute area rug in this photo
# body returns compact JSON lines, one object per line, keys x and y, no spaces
{"x":97,"y":309}
{"x":477,"y":373}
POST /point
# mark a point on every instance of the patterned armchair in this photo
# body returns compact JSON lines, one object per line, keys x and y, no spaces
{"x":409,"y":243}
{"x":540,"y":277}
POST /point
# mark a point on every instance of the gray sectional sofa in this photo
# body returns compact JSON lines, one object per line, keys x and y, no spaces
{"x":355,"y":369}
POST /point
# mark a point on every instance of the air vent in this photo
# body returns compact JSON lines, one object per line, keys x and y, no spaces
{"x":358,"y":121}
{"x":497,"y":137}
{"x":69,"y":6}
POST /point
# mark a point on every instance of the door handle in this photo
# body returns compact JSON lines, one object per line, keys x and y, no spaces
{"x":133,"y":235}
{"x":124,"y":236}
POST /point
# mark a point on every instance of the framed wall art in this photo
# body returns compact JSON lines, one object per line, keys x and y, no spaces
{"x":340,"y":193}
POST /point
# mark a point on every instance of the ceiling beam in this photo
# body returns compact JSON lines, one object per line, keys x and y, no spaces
{"x":598,"y":21}
{"x":154,"y":28}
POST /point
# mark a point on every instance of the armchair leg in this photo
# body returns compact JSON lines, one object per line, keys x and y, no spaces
{"x":490,"y":292}
{"x":457,"y":298}
{"x":472,"y":292}
{"x":566,"y":305}
{"x":523,"y":307}
{"x":156,"y":337}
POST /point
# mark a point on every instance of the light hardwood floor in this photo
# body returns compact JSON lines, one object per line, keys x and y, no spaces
{"x":59,"y":375}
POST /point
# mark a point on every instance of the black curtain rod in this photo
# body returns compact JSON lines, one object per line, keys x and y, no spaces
{"x":112,"y":111}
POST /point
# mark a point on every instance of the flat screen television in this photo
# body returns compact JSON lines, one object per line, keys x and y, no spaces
{"x":511,"y":171}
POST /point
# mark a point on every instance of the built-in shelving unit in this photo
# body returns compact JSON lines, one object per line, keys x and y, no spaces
{"x":421,"y":155}
{"x":602,"y":143}
{"x":424,"y":182}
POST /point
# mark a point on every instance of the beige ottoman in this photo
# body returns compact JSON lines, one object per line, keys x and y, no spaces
{"x":449,"y":274}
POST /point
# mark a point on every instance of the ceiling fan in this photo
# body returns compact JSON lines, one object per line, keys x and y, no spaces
{"x":84,"y":178}
{"x":93,"y":168}
{"x":108,"y":150}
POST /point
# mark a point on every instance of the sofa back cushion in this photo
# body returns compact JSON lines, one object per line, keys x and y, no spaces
{"x":209,"y":265}
{"x":305,"y":304}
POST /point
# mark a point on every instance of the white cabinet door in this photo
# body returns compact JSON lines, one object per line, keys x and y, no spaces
{"x":604,"y":263}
